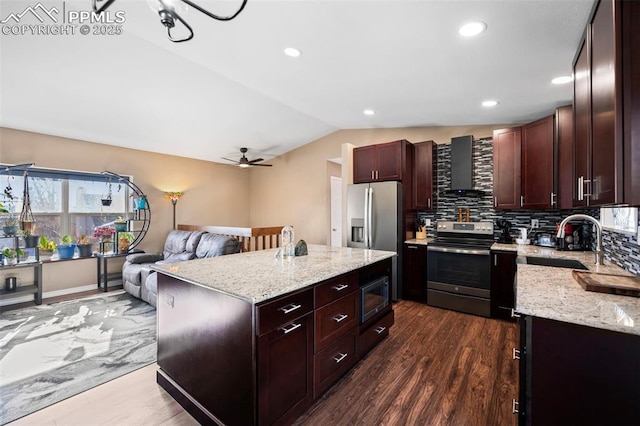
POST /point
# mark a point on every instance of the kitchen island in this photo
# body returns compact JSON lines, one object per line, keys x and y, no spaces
{"x":252,"y":338}
{"x":578,"y":349}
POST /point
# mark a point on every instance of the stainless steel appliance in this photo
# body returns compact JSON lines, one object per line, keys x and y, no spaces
{"x":374,"y":297}
{"x":459,"y":267}
{"x":374,"y":221}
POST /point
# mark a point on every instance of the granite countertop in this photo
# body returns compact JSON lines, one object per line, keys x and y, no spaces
{"x":258,"y":275}
{"x":551,"y":292}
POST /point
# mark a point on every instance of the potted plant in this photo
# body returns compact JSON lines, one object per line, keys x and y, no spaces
{"x":46,"y":247}
{"x":104,"y":233}
{"x":30,"y":240}
{"x":125,"y":240}
{"x":85,"y":246}
{"x":67,"y":247}
{"x":120,"y":224}
{"x":11,"y":255}
{"x":106,"y":200}
{"x":10,"y":224}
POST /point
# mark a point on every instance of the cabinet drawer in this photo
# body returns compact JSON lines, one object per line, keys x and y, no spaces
{"x":285,"y":309}
{"x":374,"y":334}
{"x":335,"y":319}
{"x":335,"y":288}
{"x":334,"y":361}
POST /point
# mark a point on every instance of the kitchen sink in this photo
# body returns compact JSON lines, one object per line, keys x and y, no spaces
{"x":553,"y":261}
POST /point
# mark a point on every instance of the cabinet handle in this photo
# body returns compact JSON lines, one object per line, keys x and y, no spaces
{"x":495,"y":201}
{"x":340,"y":317}
{"x":495,"y":260}
{"x":514,"y":314}
{"x":521,"y":200}
{"x":413,"y":247}
{"x":340,"y":287}
{"x":372,"y":175}
{"x":515,"y":405}
{"x":339,"y":357}
{"x":552,"y":201}
{"x":289,"y":308}
{"x":516,"y":353}
{"x":380,"y":329}
{"x":289,"y":328}
{"x":581,"y":188}
{"x":429,"y":202}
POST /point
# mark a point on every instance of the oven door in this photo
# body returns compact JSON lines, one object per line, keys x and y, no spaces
{"x":459,"y":279}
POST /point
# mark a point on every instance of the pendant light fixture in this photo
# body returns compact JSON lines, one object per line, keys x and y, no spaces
{"x":169,"y":16}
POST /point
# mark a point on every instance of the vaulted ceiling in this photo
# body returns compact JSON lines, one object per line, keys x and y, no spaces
{"x":232,"y":86}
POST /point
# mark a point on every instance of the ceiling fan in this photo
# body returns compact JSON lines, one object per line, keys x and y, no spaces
{"x":245,"y":162}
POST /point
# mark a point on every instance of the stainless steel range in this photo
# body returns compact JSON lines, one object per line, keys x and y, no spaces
{"x":459,"y":267}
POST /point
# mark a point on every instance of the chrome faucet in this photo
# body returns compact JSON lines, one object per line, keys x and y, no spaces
{"x":599,"y":251}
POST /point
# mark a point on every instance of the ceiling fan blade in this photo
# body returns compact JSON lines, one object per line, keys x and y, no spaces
{"x":257,"y":160}
{"x":262,"y":165}
{"x":229,"y":159}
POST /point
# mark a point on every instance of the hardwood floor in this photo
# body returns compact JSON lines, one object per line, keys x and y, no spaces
{"x":437,"y":367}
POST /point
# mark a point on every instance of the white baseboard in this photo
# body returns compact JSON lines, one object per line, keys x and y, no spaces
{"x":55,"y":293}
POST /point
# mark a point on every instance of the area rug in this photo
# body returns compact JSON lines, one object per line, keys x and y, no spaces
{"x":51,"y":352}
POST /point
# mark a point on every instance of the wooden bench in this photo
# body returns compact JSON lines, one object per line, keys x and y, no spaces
{"x":252,"y":239}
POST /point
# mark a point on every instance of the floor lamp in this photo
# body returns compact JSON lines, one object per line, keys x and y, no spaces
{"x":174,"y":197}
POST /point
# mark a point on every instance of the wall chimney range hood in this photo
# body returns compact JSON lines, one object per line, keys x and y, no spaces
{"x":462,"y":169}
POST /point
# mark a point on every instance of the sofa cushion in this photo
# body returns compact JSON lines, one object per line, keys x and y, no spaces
{"x":212,"y":245}
{"x":144,"y":257}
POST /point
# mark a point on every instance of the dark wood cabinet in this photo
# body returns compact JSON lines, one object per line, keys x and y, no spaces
{"x":577,"y":375}
{"x":424,"y":168}
{"x":630,"y":36}
{"x":563,"y":165}
{"x":382,"y":162}
{"x":503,"y":273}
{"x":285,"y":381}
{"x":507,"y":145}
{"x":415,"y":272}
{"x":606,"y":104}
{"x":537,"y":150}
{"x":582,"y":122}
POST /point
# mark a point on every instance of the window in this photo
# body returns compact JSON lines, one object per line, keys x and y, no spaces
{"x":64,"y":202}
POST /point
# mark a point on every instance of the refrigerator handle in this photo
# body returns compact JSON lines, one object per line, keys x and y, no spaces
{"x":370,"y":213}
{"x":366,"y":217}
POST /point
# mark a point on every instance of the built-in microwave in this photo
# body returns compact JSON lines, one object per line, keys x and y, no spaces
{"x":374,"y":297}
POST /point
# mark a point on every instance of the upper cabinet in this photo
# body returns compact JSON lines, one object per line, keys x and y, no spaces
{"x":424,"y":167}
{"x":607,"y":107}
{"x":382,"y":162}
{"x":537,"y":165}
{"x":524,"y":168}
{"x":507,"y":146}
{"x":564,"y":160}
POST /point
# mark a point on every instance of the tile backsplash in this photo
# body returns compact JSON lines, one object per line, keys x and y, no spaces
{"x":620,"y":249}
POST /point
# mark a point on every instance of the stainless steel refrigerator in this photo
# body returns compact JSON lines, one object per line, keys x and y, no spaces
{"x":374,"y":221}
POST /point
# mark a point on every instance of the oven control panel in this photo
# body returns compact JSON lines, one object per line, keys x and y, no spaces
{"x":481,"y":228}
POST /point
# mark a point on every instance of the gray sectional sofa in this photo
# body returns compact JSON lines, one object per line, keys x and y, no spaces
{"x":140,"y":281}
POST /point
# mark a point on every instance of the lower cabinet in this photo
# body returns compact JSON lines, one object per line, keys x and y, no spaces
{"x":333,"y":361}
{"x":503,"y":274}
{"x":372,"y":335}
{"x":284,"y":371}
{"x":579,"y":375}
{"x":415,"y":272}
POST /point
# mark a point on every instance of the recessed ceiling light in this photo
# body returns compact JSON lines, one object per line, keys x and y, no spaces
{"x":472,"y":29}
{"x":489,"y":103}
{"x":562,"y":80}
{"x":368,"y":112}
{"x":292,"y":51}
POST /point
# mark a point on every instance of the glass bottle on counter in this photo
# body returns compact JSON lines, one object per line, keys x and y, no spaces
{"x":288,"y":238}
